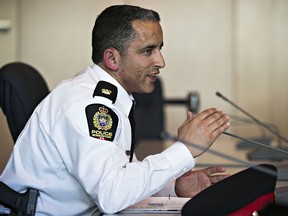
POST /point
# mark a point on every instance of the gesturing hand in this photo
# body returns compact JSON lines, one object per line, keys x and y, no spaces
{"x":202,"y":129}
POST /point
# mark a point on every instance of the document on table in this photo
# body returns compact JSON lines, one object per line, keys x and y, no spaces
{"x":157,"y":204}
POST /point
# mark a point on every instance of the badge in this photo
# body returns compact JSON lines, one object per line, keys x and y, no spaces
{"x":102,"y":121}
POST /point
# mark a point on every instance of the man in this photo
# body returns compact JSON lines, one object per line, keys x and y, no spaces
{"x":77,"y":141}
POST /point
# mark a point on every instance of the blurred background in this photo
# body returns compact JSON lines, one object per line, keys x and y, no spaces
{"x":236,"y":47}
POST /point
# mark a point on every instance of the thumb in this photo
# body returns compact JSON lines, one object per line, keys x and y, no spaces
{"x":189,"y":118}
{"x":190,"y":114}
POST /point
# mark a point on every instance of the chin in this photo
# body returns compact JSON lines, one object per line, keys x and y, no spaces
{"x":146,"y":89}
{"x":149,"y":90}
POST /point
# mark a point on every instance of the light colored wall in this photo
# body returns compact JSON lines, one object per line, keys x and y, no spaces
{"x":197,"y":34}
{"x":237,"y":47}
{"x":8,"y":52}
{"x":261,"y":66}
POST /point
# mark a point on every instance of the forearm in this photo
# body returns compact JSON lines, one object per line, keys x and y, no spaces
{"x":139,"y":180}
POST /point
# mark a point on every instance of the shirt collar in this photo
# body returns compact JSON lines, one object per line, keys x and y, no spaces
{"x":124,"y":100}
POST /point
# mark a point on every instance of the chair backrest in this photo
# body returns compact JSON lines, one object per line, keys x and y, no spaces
{"x":21,"y":89}
{"x":149,"y":114}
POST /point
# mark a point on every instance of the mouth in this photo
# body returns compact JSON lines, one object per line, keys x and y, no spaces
{"x":153,"y":76}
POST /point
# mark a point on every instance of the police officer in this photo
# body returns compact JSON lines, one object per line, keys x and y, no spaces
{"x":76,"y":141}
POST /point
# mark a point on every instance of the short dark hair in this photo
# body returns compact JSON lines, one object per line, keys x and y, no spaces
{"x":113,"y":28}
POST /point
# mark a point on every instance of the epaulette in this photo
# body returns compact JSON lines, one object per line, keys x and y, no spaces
{"x":106,"y":90}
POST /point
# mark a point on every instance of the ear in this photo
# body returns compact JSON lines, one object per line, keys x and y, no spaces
{"x":110,"y":58}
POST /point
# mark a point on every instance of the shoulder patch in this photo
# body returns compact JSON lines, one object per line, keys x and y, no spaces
{"x":102,"y":121}
{"x":106,"y":90}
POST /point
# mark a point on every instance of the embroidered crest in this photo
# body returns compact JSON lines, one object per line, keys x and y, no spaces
{"x":102,"y":121}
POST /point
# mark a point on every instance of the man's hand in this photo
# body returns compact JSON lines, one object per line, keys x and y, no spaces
{"x":193,"y":182}
{"x":203,"y":129}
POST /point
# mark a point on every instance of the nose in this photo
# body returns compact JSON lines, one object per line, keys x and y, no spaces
{"x":160,"y":62}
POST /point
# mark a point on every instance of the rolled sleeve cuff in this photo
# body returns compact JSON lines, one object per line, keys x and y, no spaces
{"x":179,"y":157}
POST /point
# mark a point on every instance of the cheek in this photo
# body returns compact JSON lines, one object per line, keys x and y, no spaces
{"x":135,"y":77}
{"x":135,"y":69}
{"x":136,"y":72}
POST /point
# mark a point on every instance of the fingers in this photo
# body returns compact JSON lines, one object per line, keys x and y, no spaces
{"x":217,"y":121}
{"x":189,"y":117}
{"x":202,"y":129}
{"x":220,"y":123}
{"x":216,"y":178}
{"x":217,"y":116}
{"x":213,"y":173}
{"x":213,"y":170}
{"x":208,"y":112}
{"x":213,"y":115}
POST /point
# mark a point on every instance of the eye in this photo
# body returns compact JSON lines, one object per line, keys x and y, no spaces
{"x":147,"y":51}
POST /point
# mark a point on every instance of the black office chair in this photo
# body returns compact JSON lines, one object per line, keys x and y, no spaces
{"x":149,"y":114}
{"x":21,"y":89}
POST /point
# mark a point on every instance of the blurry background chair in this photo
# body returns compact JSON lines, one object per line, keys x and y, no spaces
{"x":21,"y":89}
{"x":149,"y":114}
{"x":150,"y":118}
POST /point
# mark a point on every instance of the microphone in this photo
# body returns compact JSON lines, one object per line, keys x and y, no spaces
{"x":257,"y":143}
{"x":262,"y":153}
{"x":167,"y":136}
{"x":281,"y":193}
{"x":253,"y":118}
{"x":281,"y":154}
